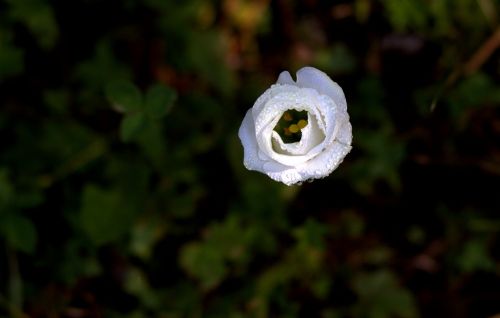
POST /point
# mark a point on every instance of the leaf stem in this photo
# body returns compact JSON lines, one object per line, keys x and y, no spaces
{"x":15,"y":287}
{"x":14,"y":302}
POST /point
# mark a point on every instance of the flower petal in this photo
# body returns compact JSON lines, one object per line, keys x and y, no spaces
{"x":289,"y":176}
{"x":324,"y":163}
{"x":318,"y":80}
{"x":246,"y":133}
{"x":285,"y":78}
{"x":295,"y":98}
{"x":344,"y":134}
{"x":316,"y":168}
{"x":269,"y":94}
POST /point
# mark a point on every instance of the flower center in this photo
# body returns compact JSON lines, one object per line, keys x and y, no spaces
{"x":290,"y":125}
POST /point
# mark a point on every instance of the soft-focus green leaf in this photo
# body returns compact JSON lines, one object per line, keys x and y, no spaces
{"x":209,"y":63}
{"x":471,"y":92}
{"x":11,"y":56}
{"x":381,"y":297}
{"x":475,"y":257}
{"x":38,"y":17}
{"x":57,"y":100}
{"x":104,"y":215}
{"x":153,"y":144}
{"x":19,"y":232}
{"x":101,"y":70}
{"x":11,"y":60}
{"x":131,"y":125}
{"x":136,"y":283}
{"x":384,"y":155}
{"x":159,"y":100}
{"x":124,"y":96}
{"x":6,"y":189}
{"x":311,"y":234}
{"x":406,"y":14}
{"x":144,"y":235}
{"x":336,"y":60}
{"x":203,"y":262}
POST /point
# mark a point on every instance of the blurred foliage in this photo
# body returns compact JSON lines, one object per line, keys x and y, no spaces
{"x":122,"y":188}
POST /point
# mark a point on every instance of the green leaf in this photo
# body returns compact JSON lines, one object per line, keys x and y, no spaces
{"x":11,"y":60}
{"x":311,"y":234}
{"x":104,"y":216}
{"x":475,"y":257}
{"x":472,"y":92}
{"x":406,"y":14}
{"x":159,"y":101}
{"x":57,"y":100}
{"x":101,"y":70}
{"x":337,"y":59}
{"x":203,"y":262}
{"x":131,"y":125}
{"x":124,"y":96}
{"x":6,"y":189}
{"x":19,"y":232}
{"x":39,"y":19}
{"x":381,"y":296}
{"x":145,"y":234}
{"x":208,"y":63}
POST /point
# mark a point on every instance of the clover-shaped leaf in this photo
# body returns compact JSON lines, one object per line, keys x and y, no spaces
{"x":131,"y":125}
{"x":159,"y":101}
{"x":124,"y":96}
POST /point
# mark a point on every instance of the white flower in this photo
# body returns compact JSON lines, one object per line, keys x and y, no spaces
{"x":325,"y":138}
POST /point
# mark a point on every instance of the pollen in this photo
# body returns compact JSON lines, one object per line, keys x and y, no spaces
{"x":302,"y":123}
{"x":294,"y":128}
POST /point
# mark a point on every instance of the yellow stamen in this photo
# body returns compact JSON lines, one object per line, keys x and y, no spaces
{"x":287,"y":116}
{"x":302,"y":123}
{"x":287,"y":132}
{"x":294,"y":128}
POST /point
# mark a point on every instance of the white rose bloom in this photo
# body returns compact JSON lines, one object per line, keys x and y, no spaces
{"x":325,"y":138}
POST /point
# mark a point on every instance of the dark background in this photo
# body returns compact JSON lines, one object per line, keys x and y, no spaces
{"x":122,"y":188}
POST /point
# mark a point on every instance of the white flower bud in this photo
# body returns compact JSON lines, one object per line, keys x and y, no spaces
{"x":324,"y":142}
